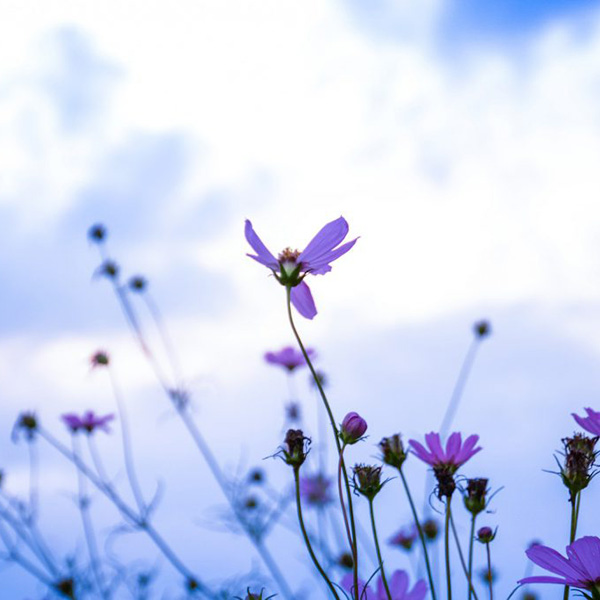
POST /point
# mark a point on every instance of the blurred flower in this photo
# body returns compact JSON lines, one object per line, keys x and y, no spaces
{"x":367,"y":480}
{"x":353,"y":428}
{"x":392,"y":451}
{"x":580,"y":569}
{"x":431,"y":529}
{"x":580,"y":456}
{"x":321,"y":378}
{"x":27,"y":423}
{"x":256,"y":475}
{"x":66,"y":587}
{"x":405,"y":537}
{"x":345,"y":560}
{"x":398,"y":584}
{"x":291,"y":266}
{"x":482,"y":328}
{"x":97,"y":233}
{"x":289,"y":358}
{"x":475,"y":497}
{"x":295,"y":448}
{"x":315,"y":489}
{"x":293,"y":411}
{"x":455,"y":455}
{"x":485,"y":535}
{"x":99,"y":359}
{"x":137,"y":283}
{"x":109,"y":268}
{"x":88,"y":422}
{"x":590,"y":423}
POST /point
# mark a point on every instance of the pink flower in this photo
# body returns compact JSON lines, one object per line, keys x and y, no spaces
{"x":398,"y":584}
{"x":590,"y":423}
{"x":405,"y":537}
{"x":455,"y":455}
{"x":291,"y":266}
{"x":288,"y":357}
{"x":316,"y":489}
{"x":88,"y":422}
{"x":580,"y":569}
{"x":353,"y":428}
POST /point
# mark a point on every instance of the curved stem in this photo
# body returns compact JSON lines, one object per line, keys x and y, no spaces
{"x":420,"y":531}
{"x":307,"y":539}
{"x":335,"y":433}
{"x":447,"y":548}
{"x":379,"y":557}
{"x":471,"y":544}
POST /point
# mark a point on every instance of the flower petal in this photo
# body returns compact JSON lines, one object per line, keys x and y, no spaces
{"x":325,"y":241}
{"x":551,"y":560}
{"x":263,"y":256}
{"x":585,"y":554}
{"x":542,"y":579}
{"x":316,"y":266}
{"x":398,"y":584}
{"x":303,"y":301}
{"x":453,"y":447}
{"x":420,"y":452}
{"x":435,"y":445}
{"x":418,"y":592}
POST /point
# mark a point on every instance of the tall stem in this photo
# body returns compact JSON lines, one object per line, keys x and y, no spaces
{"x":462,"y":558}
{"x":471,"y":544}
{"x":489,"y":562}
{"x":335,"y":435}
{"x":307,"y":539}
{"x":575,"y":503}
{"x":379,"y":557}
{"x":420,"y":531}
{"x":351,"y":538}
{"x":447,"y":548}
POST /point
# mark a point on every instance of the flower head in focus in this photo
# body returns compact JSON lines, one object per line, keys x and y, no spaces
{"x":590,"y":423}
{"x":289,"y":358}
{"x":398,"y":584}
{"x":316,"y":489}
{"x":353,"y":428}
{"x":580,"y":569}
{"x":580,"y":456}
{"x":88,"y":422}
{"x":291,"y":266}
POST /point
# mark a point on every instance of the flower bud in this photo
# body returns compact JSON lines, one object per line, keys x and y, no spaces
{"x":295,"y":448}
{"x":367,"y":480}
{"x":109,"y":268}
{"x":99,"y":359}
{"x":345,"y":560}
{"x":485,"y":535}
{"x":27,"y":423}
{"x":138,"y":283}
{"x":475,"y":498}
{"x":580,"y":456}
{"x":97,"y":233}
{"x":482,"y":329}
{"x":430,"y":529}
{"x":353,"y":428}
{"x":66,"y":587}
{"x":392,"y":451}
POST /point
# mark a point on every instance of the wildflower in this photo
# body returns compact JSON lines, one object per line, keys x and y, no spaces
{"x":289,"y":358}
{"x":27,"y":423}
{"x":99,"y":359}
{"x":316,"y":489}
{"x":293,"y":411}
{"x":579,"y":460}
{"x":291,"y":266}
{"x":392,"y":450}
{"x":485,"y":535}
{"x":89,"y":422}
{"x":321,"y":378}
{"x":405,"y":537}
{"x":137,"y":283}
{"x":398,"y":584}
{"x":109,"y":268}
{"x":475,"y":498}
{"x":367,"y":480}
{"x":445,"y":463}
{"x":295,"y":448}
{"x":345,"y":560}
{"x":256,"y":475}
{"x":353,"y":428}
{"x":97,"y":233}
{"x":580,"y":569}
{"x":590,"y":423}
{"x":431,"y":529}
{"x":482,"y":329}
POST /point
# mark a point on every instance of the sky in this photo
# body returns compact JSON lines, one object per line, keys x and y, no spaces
{"x":460,"y":141}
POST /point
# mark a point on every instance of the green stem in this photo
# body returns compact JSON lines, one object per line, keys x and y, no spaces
{"x":379,"y":558}
{"x":489,"y":561}
{"x":351,"y":539}
{"x":307,"y":539}
{"x":447,"y":548}
{"x":335,"y":435}
{"x":462,"y":558}
{"x":420,"y":530}
{"x":471,"y":544}
{"x":575,"y":503}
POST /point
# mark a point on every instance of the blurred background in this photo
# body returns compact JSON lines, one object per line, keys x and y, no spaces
{"x":459,"y":139}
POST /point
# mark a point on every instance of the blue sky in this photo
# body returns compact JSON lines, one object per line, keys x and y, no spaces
{"x":469,"y":176}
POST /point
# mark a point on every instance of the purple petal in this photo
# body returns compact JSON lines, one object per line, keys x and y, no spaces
{"x":398,"y":584}
{"x":551,"y":560}
{"x":585,"y":553}
{"x":325,"y":241}
{"x":453,"y":447}
{"x":318,"y":265}
{"x":435,"y":445}
{"x":303,"y":301}
{"x":541,"y":579}
{"x":421,"y":453}
{"x":418,"y":592}
{"x":263,"y":256}
{"x":348,"y":584}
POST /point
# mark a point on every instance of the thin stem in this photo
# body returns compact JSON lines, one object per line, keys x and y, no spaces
{"x":420,"y":531}
{"x":575,"y":503}
{"x":489,"y":562}
{"x":379,"y":557}
{"x":307,"y":539}
{"x":471,"y":545}
{"x":335,"y":433}
{"x":88,"y":529}
{"x":351,"y":539}
{"x":447,"y":548}
{"x":462,"y":558}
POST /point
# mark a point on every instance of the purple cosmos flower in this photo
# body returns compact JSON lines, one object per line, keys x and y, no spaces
{"x":291,"y":266}
{"x":590,"y":423}
{"x":88,"y":422}
{"x":353,"y":428}
{"x":398,"y":584}
{"x":580,"y":569}
{"x":316,"y":489}
{"x":288,"y":357}
{"x":455,"y":455}
{"x":405,"y":537}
